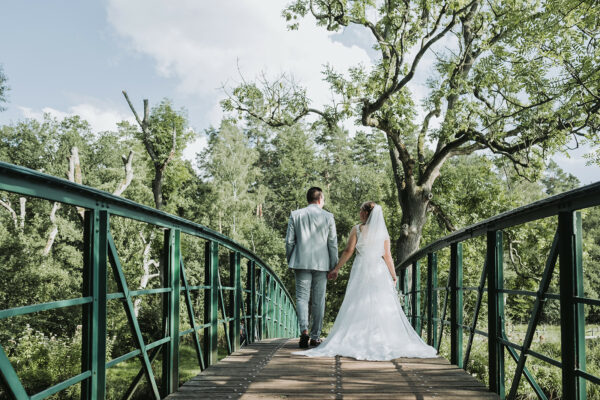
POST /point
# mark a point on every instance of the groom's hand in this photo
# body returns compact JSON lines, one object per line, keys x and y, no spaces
{"x":333,"y":274}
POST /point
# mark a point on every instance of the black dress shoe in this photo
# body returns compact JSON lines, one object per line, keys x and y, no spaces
{"x":315,"y":342}
{"x":304,"y":341}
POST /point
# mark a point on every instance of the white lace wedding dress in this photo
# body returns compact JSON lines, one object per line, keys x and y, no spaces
{"x":371,"y":324}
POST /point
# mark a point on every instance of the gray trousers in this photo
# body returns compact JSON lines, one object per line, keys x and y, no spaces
{"x":311,"y":285}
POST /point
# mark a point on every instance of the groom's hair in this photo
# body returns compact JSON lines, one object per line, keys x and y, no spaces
{"x":314,"y":194}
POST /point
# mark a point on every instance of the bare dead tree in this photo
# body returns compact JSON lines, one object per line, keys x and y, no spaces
{"x":159,"y":164}
{"x":128,"y":165}
{"x":54,"y":230}
{"x":6,"y":204}
{"x":147,"y":264}
{"x":74,"y":175}
{"x":22,"y":203}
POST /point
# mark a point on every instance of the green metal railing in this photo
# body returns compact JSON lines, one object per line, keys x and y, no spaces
{"x":264,"y":303}
{"x":566,"y":248}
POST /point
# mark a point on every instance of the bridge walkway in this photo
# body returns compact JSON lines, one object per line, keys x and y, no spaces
{"x":268,"y":370}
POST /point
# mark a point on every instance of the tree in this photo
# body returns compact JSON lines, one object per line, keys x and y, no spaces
{"x":517,"y":80}
{"x":164,"y":133}
{"x":228,"y":162}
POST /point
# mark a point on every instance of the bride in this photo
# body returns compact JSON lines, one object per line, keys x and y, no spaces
{"x":370,"y":324}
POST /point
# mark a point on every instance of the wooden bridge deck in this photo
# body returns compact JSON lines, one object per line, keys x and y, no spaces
{"x":268,"y":370}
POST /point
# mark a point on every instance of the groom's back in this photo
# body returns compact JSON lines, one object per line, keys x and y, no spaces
{"x":311,"y":241}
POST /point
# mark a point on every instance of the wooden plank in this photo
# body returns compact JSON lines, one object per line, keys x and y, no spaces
{"x":269,"y":370}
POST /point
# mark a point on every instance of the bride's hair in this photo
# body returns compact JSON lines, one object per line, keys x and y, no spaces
{"x":367,"y":207}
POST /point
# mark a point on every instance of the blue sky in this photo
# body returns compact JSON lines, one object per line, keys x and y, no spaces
{"x":64,"y":54}
{"x":75,"y":57}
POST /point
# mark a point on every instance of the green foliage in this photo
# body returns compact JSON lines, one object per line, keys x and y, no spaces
{"x":245,"y":183}
{"x":163,"y":121}
{"x":41,"y":360}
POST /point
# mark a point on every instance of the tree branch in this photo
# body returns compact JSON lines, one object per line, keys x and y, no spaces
{"x":144,"y":126}
{"x":74,"y":175}
{"x":371,"y":107}
{"x":441,"y":216}
{"x":128,"y":165}
{"x":22,"y":202}
{"x":172,"y":152}
{"x":53,"y":231}
{"x":432,"y":170}
{"x":6,"y":204}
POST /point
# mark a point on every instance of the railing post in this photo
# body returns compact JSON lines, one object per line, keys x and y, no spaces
{"x":235,"y":297}
{"x":290,"y":319}
{"x":263,"y":303}
{"x":275,"y":302}
{"x":251,"y":324}
{"x":404,"y":287}
{"x":95,"y":242}
{"x":572,"y":316}
{"x":416,"y":297}
{"x":171,"y":265}
{"x":211,"y":314}
{"x":280,"y":309}
{"x":494,"y":260}
{"x":456,"y":304}
{"x":284,"y":315}
{"x":432,"y":313}
{"x":272,"y":307}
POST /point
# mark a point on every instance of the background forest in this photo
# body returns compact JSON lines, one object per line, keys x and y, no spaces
{"x":244,"y":184}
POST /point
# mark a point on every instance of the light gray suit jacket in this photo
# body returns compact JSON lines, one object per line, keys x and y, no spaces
{"x":311,"y":240}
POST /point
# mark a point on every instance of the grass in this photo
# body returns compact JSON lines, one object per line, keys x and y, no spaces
{"x":120,"y":376}
{"x":547,"y":342}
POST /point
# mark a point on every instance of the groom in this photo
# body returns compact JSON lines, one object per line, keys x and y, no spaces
{"x":311,"y":250}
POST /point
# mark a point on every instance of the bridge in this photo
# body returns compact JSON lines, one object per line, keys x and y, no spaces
{"x":254,"y":315}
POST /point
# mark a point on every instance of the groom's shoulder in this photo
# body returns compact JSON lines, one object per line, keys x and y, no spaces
{"x":297,"y":212}
{"x":327,"y":213}
{"x":310,"y":210}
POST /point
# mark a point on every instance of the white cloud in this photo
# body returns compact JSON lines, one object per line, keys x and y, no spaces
{"x":100,"y":119}
{"x":201,"y":43}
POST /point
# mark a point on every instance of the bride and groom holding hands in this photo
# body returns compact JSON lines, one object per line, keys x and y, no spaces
{"x":370,"y":324}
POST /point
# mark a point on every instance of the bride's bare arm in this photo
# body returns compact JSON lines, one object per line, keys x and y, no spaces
{"x":346,"y":254}
{"x":387,"y":256}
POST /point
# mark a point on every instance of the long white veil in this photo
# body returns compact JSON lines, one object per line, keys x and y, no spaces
{"x":374,"y":233}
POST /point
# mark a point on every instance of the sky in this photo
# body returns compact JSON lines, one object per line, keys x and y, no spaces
{"x":75,"y":57}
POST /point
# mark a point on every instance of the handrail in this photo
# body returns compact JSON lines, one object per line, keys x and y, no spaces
{"x":565,"y":255}
{"x":266,"y":307}
{"x":576,"y":199}
{"x":33,"y":183}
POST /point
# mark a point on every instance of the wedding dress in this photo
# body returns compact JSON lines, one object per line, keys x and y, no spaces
{"x":371,"y":324}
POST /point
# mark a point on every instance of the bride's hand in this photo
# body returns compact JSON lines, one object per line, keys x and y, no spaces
{"x":395,"y":279}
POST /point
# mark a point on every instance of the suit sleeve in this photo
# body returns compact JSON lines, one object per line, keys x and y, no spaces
{"x":290,"y":239}
{"x":332,"y":245}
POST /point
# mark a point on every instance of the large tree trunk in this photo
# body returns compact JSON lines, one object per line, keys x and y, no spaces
{"x":413,"y":203}
{"x":157,"y":183}
{"x":22,"y":202}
